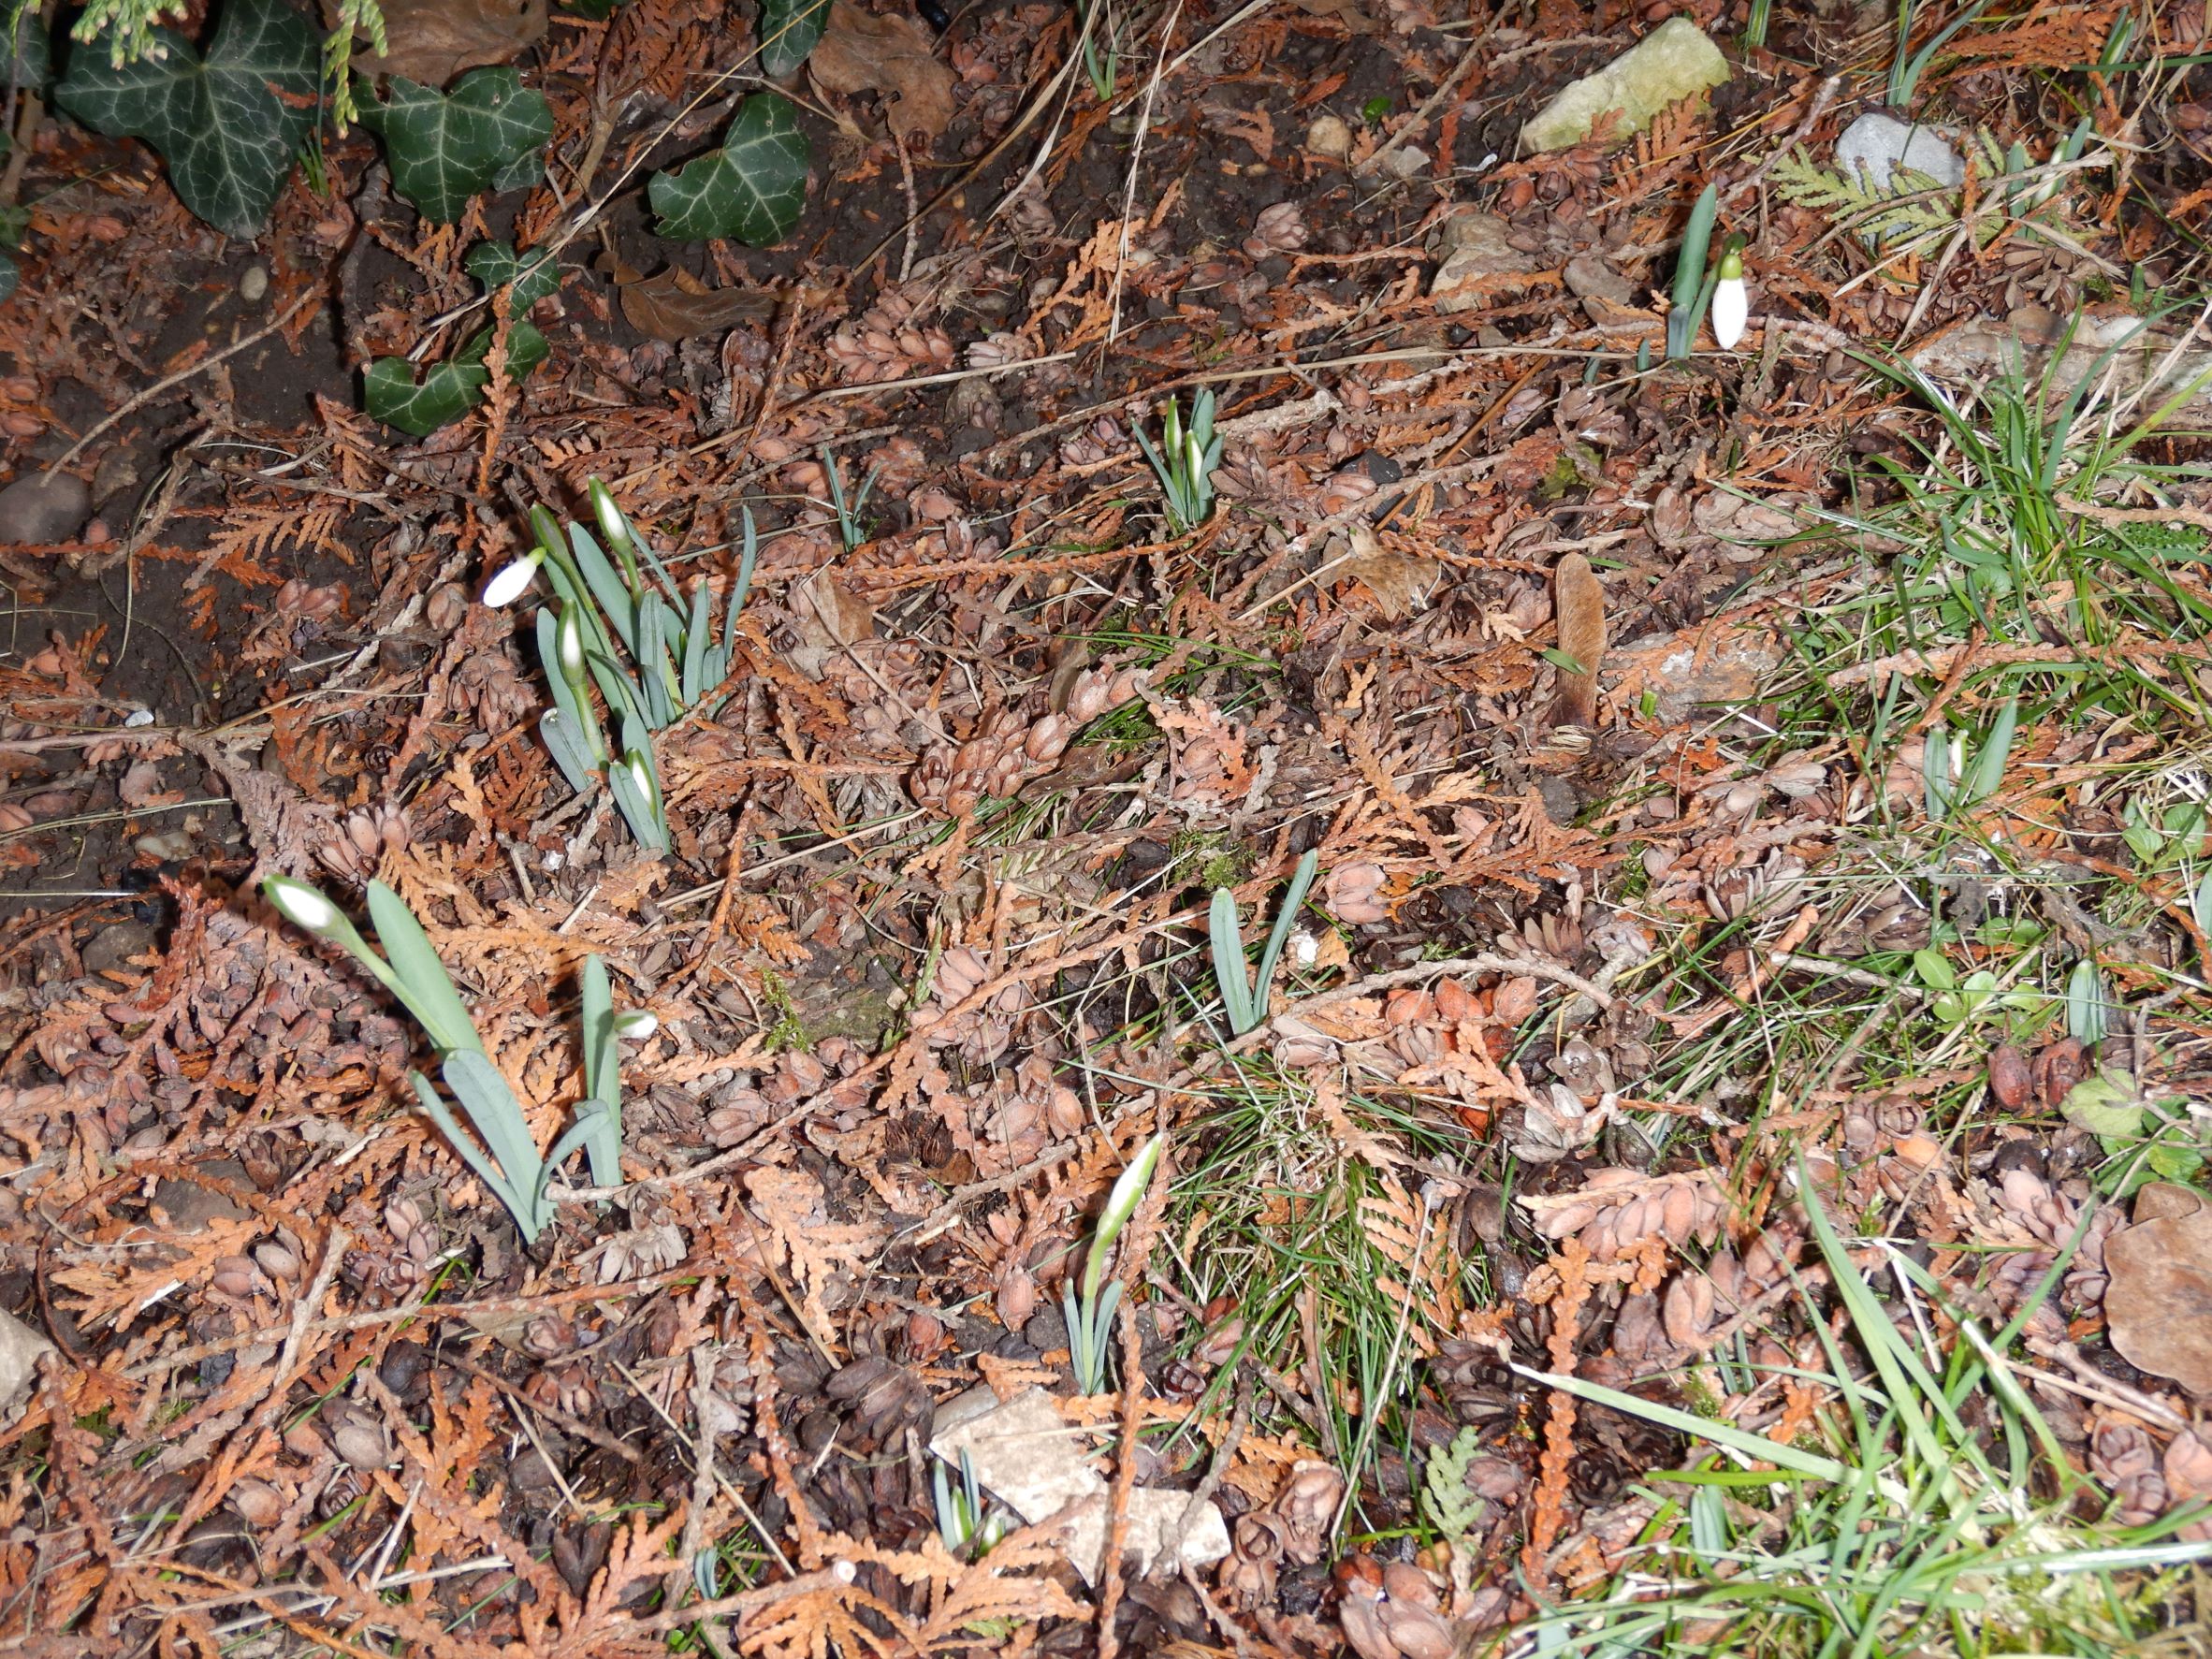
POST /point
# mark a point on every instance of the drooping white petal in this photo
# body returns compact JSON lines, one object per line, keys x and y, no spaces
{"x":636,"y":1024}
{"x":507,"y":586}
{"x":1731,"y":310}
{"x":300,"y":904}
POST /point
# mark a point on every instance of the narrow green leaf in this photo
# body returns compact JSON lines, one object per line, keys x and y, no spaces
{"x":428,"y":989}
{"x":1225,"y":927}
{"x":602,"y":1058}
{"x":1986,"y":777}
{"x":1302,"y":879}
{"x":559,"y":734}
{"x":637,"y":812}
{"x":497,"y":1117}
{"x":524,"y":1210}
{"x":607,"y":587}
{"x":695,"y":632}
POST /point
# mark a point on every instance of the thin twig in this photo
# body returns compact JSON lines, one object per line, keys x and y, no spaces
{"x":138,"y":400}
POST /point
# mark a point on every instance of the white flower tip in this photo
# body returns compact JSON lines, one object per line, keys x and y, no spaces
{"x":569,"y":641}
{"x":612,"y":525}
{"x":506,"y":586}
{"x":637,"y":1023}
{"x":1731,"y":310}
{"x":640,"y":774}
{"x":300,"y":904}
{"x":1306,"y":949}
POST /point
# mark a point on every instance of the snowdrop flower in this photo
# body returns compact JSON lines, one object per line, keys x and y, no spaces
{"x":636,"y":1024}
{"x":642,"y":775}
{"x":568,"y":640}
{"x":300,"y":904}
{"x":506,"y":586}
{"x":612,"y":524}
{"x":1731,"y":310}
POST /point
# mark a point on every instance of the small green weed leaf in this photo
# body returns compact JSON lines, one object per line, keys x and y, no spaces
{"x":228,"y":124}
{"x":450,"y":390}
{"x":753,"y":188}
{"x":446,"y":147}
{"x":533,"y":275}
{"x":2105,"y":1104}
{"x":789,"y":31}
{"x":1934,"y":971}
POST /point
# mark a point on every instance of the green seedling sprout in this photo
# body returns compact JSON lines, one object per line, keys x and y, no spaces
{"x":1248,"y":1004}
{"x":1090,"y":1317}
{"x":1185,"y":462}
{"x":507,"y":1161}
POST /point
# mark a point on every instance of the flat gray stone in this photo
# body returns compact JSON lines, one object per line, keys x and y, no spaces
{"x":1877,"y":143}
{"x":19,"y":1348}
{"x":39,"y":508}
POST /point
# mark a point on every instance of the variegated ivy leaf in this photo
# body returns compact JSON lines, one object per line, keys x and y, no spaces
{"x":446,"y":147}
{"x":228,"y":124}
{"x":790,"y":29}
{"x":753,"y":188}
{"x":448,"y":391}
{"x":534,"y":274}
{"x":25,"y":55}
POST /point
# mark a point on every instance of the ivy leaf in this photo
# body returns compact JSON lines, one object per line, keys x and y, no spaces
{"x":535,"y":276}
{"x":753,"y":188}
{"x":26,"y":56}
{"x":226,"y":124}
{"x":450,"y":390}
{"x":789,"y":31}
{"x":446,"y":147}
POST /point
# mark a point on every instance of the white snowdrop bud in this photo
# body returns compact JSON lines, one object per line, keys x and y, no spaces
{"x":1731,"y":307}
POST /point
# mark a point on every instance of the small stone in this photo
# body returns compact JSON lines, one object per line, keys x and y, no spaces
{"x":114,"y":945}
{"x":1405,"y":162}
{"x":1878,"y":142}
{"x":1330,"y":137}
{"x":253,"y":284}
{"x":1473,"y":250}
{"x":191,"y":1206}
{"x":1561,"y":802}
{"x":1589,"y":277}
{"x":40,"y":507}
{"x":19,"y":1349}
{"x":1673,"y":62}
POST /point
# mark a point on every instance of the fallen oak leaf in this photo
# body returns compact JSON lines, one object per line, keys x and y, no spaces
{"x":431,"y":42}
{"x":893,"y":56}
{"x":2158,"y":1298}
{"x":1578,"y":601}
{"x":675,"y":304}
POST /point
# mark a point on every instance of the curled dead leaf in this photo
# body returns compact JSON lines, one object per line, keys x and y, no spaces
{"x":433,"y":41}
{"x":892,"y":55}
{"x":674,"y":305}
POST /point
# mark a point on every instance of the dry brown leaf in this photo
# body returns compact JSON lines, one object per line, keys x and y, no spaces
{"x":891,"y":55}
{"x":1400,"y":582}
{"x":433,"y":41}
{"x":676,"y":305}
{"x":1579,"y":602}
{"x":2158,"y":1304}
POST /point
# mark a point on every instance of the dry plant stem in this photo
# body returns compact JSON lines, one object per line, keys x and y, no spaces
{"x":27,"y":117}
{"x":1124,"y":1476}
{"x":750,"y":1601}
{"x":1129,"y":200}
{"x":738,"y":1498}
{"x":138,"y":400}
{"x":2131,"y":1399}
{"x":536,"y":1302}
